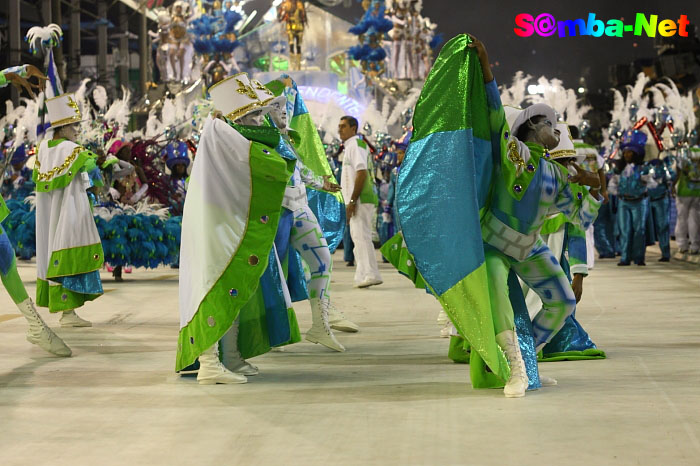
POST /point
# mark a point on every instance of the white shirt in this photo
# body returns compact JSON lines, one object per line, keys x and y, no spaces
{"x":354,"y":160}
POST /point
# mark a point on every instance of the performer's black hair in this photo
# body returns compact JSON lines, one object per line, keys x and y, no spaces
{"x":352,"y":121}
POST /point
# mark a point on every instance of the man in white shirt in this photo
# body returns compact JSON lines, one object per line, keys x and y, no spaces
{"x":361,"y":202}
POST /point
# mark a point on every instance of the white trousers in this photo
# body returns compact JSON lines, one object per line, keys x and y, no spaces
{"x":361,"y":234}
{"x":590,"y":247}
{"x":688,"y":222}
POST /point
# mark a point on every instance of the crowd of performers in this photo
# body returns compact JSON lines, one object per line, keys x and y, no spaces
{"x":253,"y":223}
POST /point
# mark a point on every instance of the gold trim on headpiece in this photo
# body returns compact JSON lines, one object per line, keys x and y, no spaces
{"x":77,"y":118}
{"x":563,"y":153}
{"x":224,"y":80}
{"x":259,"y":86}
{"x":246,"y":90}
{"x":242,"y":111}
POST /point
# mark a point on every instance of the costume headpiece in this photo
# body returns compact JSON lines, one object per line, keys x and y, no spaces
{"x":19,"y":155}
{"x":235,"y":97}
{"x":633,"y":140}
{"x":517,"y":117}
{"x":63,"y":110}
{"x":176,"y":152}
{"x":565,"y":148}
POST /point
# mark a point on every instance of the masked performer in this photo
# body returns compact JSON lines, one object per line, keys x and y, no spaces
{"x":68,"y":248}
{"x":470,"y":263}
{"x":229,"y":224}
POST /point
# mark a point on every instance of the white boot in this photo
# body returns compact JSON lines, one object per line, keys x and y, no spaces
{"x":71,"y":319}
{"x":518,"y":382}
{"x":337,"y":319}
{"x":211,"y":371}
{"x":320,"y":331}
{"x":39,"y":333}
{"x":231,"y":356}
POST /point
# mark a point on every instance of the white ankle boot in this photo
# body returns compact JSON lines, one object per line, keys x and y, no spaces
{"x":518,"y":382}
{"x":71,"y":319}
{"x":231,"y":356}
{"x":211,"y":371}
{"x":39,"y":333}
{"x":337,"y":319}
{"x":320,"y":331}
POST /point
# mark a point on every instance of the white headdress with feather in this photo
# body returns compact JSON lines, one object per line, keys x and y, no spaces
{"x":44,"y":38}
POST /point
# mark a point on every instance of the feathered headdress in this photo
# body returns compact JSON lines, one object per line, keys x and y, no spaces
{"x":44,"y":38}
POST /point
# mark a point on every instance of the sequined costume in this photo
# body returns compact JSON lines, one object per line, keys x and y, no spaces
{"x":495,"y":217}
{"x":604,"y":227}
{"x":568,"y":243}
{"x":228,"y":228}
{"x":688,"y":202}
{"x":631,"y":183}
{"x":659,"y":203}
{"x":69,"y":252}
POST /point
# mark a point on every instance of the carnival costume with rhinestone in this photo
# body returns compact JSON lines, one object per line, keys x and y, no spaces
{"x":631,"y":183}
{"x":300,"y":234}
{"x":229,"y":224}
{"x":688,"y":202}
{"x":68,"y":249}
{"x":567,"y":242}
{"x":663,"y":173}
{"x":516,"y":187}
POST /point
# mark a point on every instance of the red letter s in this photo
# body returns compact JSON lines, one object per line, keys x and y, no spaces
{"x":524,"y":23}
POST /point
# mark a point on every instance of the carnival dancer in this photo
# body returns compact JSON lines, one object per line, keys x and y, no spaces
{"x":229,"y":225}
{"x":361,"y":201}
{"x":68,"y":247}
{"x":569,"y":244}
{"x":468,"y":264}
{"x":631,"y":183}
{"x":299,"y":227}
{"x":659,"y":203}
{"x":688,"y":203}
{"x":39,"y":333}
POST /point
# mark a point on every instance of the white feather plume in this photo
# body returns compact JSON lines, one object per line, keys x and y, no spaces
{"x":689,"y":112}
{"x":27,"y":123}
{"x":99,"y":95}
{"x":618,"y":111}
{"x":120,"y":111}
{"x":154,"y":127}
{"x":638,"y":89}
{"x":43,"y":37}
{"x":374,"y":118}
{"x":658,"y":96}
{"x":515,"y":94}
{"x":168,"y":114}
{"x":673,"y":101}
{"x":12,"y":114}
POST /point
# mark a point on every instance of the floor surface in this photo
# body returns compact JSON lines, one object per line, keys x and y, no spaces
{"x":392,"y":399}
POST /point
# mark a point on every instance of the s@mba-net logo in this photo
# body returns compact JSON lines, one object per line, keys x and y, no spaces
{"x":546,"y":25}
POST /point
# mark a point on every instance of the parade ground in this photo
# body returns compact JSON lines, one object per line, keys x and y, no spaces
{"x":393,"y":398}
